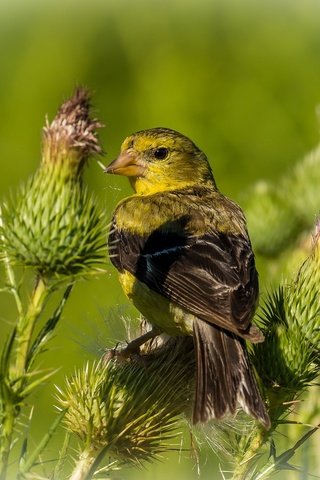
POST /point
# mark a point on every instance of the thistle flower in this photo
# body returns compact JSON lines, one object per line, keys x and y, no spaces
{"x":53,"y":225}
{"x":130,"y":409}
{"x":71,"y":137}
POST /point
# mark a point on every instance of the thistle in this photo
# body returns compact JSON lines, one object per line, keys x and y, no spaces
{"x":132,"y":410}
{"x":291,"y":325}
{"x":53,"y":227}
{"x":71,"y":137}
{"x":52,"y":224}
{"x":129,"y":410}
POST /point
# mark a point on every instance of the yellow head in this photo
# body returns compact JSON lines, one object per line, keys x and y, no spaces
{"x":161,"y":159}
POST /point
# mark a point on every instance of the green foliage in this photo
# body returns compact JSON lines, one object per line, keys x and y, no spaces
{"x":278,"y":213}
{"x":288,"y":360}
{"x":56,"y":229}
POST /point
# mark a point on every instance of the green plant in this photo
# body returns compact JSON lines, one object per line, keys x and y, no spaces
{"x":52,"y":228}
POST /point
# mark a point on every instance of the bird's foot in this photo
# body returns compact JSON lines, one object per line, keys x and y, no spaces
{"x":132,"y":349}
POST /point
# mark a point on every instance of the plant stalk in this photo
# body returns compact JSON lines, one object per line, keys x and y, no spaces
{"x":244,"y":464}
{"x":86,"y":465}
{"x":9,"y":416}
{"x":26,"y":325}
{"x":16,"y":378}
{"x":10,"y":274}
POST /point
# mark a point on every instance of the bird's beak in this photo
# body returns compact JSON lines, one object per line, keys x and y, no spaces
{"x":127,"y":164}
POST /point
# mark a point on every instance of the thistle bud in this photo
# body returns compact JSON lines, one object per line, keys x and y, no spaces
{"x":52,"y":224}
{"x":130,"y":409}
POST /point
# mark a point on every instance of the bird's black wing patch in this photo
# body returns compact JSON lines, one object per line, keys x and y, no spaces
{"x":212,"y":276}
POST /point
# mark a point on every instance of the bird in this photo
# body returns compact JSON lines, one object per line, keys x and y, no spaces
{"x":185,"y":260}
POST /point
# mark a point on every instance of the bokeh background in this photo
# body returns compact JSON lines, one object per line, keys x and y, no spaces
{"x":240,"y":77}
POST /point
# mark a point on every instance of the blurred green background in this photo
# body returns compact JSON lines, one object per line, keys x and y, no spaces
{"x":240,"y":77}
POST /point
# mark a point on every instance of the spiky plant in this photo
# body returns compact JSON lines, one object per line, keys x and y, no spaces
{"x":129,"y":410}
{"x":52,"y":224}
{"x":291,"y":325}
{"x":54,"y":228}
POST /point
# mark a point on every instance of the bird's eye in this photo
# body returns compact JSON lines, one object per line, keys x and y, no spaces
{"x":161,"y":153}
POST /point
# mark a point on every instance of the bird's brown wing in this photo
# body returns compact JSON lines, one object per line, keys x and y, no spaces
{"x":212,"y":276}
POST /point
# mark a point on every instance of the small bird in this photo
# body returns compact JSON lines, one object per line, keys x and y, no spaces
{"x":185,"y":261}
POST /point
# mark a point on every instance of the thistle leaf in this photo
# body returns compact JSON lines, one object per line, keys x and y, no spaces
{"x":47,"y":330}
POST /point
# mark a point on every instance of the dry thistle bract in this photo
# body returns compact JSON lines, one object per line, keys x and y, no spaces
{"x":72,"y":136}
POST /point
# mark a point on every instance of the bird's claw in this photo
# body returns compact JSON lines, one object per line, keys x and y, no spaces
{"x":130,"y":352}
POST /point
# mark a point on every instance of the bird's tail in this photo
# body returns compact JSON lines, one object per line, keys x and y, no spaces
{"x":224,"y":376}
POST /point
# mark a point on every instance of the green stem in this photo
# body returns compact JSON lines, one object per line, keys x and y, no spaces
{"x":16,"y":378}
{"x":10,"y":274}
{"x":9,"y":415}
{"x":86,"y":465}
{"x":26,"y":327}
{"x":244,"y":464}
{"x":36,"y":453}
{"x":63,"y":454}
